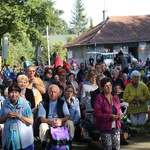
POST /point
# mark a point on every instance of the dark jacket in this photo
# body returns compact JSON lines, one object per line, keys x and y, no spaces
{"x":118,"y":81}
{"x":107,"y":73}
{"x":80,"y":75}
{"x":30,"y":97}
{"x":93,"y":96}
{"x":60,"y":103}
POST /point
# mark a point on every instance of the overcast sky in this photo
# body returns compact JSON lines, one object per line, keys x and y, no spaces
{"x":94,"y":8}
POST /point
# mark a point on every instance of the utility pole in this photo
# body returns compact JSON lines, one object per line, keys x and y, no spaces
{"x":48,"y":47}
{"x":4,"y":48}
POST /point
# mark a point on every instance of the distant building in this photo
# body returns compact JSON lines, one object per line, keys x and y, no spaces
{"x":127,"y":33}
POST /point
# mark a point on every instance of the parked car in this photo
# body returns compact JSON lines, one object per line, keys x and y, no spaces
{"x":107,"y":57}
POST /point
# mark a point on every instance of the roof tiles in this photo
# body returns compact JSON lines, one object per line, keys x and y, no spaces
{"x":116,"y":29}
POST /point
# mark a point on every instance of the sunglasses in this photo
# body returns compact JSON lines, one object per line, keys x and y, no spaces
{"x":49,"y":73}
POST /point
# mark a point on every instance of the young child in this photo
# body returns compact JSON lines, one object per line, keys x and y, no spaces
{"x":119,"y":92}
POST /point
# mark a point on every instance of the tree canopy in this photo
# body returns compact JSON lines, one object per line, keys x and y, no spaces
{"x":31,"y":17}
{"x":25,"y":22}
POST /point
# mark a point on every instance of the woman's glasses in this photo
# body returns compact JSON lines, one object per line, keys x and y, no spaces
{"x":49,"y":73}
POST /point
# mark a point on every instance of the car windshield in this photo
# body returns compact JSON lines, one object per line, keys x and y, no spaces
{"x":108,"y":56}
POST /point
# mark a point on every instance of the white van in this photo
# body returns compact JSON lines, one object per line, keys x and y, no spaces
{"x":107,"y":57}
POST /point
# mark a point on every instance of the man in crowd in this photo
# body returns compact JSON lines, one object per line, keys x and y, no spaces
{"x":91,"y":61}
{"x":58,"y":114}
{"x":80,"y":73}
{"x":36,"y":84}
{"x":7,"y":75}
{"x":98,"y":68}
{"x":26,"y":63}
{"x":104,"y":70}
{"x":122,"y":60}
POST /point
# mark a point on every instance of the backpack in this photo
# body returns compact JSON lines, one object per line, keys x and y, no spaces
{"x":83,"y":130}
{"x":60,"y":138}
{"x":36,"y":119}
{"x":126,"y":130}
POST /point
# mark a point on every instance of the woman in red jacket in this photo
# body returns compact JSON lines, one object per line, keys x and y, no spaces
{"x":108,"y":114}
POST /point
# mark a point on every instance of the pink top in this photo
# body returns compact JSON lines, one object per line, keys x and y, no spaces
{"x":103,"y":111}
{"x":57,"y":62}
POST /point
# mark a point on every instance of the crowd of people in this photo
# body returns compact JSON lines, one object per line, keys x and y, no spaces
{"x":71,"y":91}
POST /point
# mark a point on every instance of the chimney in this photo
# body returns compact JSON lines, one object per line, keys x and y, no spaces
{"x":104,"y":15}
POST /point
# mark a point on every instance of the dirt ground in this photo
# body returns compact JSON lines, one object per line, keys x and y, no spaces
{"x":140,"y":141}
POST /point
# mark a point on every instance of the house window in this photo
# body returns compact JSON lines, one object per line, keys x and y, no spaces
{"x":108,"y":48}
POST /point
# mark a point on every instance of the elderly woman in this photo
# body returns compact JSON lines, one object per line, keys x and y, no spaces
{"x":22,"y":81}
{"x":17,"y":117}
{"x":108,"y":114}
{"x":136,"y":94}
{"x":134,"y":65}
{"x":116,"y":80}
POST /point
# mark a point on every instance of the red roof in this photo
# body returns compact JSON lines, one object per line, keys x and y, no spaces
{"x":116,"y":29}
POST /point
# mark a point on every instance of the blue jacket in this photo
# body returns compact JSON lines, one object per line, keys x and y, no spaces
{"x":25,"y":65}
{"x":74,"y":110}
{"x":7,"y":73}
{"x":15,"y":131}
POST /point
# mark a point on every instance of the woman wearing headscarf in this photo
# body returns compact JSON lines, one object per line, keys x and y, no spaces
{"x":136,"y":94}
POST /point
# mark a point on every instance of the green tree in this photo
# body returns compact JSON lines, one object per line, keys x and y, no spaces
{"x":79,"y":21}
{"x":23,"y":48}
{"x":69,"y":39}
{"x":31,"y":17}
{"x":61,"y":28}
{"x":26,"y":21}
{"x":91,"y":23}
{"x":58,"y":48}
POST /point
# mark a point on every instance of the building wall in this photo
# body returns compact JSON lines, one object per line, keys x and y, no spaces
{"x":81,"y":55}
{"x":144,"y":54}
